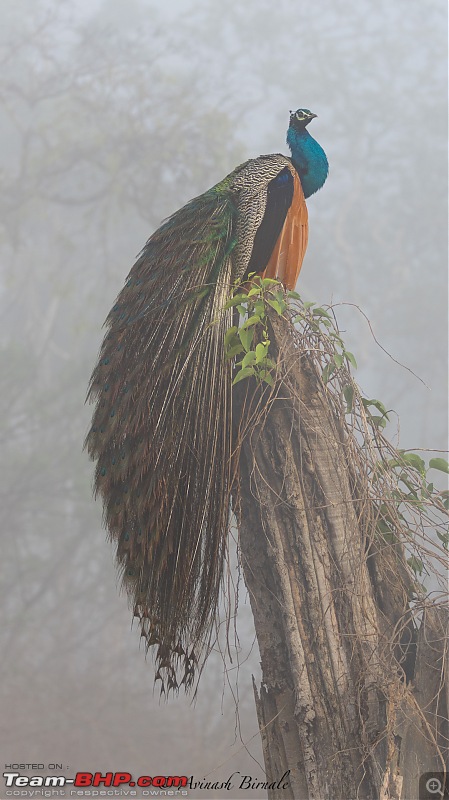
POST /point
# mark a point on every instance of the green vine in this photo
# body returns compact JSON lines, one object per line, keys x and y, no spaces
{"x":398,"y":479}
{"x":241,"y":340}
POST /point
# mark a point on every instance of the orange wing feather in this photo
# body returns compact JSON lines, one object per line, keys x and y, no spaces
{"x":286,"y":259}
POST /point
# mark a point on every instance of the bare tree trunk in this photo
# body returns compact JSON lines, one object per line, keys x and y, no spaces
{"x":330,"y":607}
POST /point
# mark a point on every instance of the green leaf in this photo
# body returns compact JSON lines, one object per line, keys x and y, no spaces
{"x":377,"y":421}
{"x":445,"y":498}
{"x":269,"y":282}
{"x":235,"y":301}
{"x":405,"y":479}
{"x":253,"y":291}
{"x":351,"y":358}
{"x":259,"y":308}
{"x":394,"y":462}
{"x":348,"y":394}
{"x":235,"y":350}
{"x":373,"y":417}
{"x":249,"y":359}
{"x":320,"y":312}
{"x":266,"y":376}
{"x":308,"y":304}
{"x":230,"y":336}
{"x":440,"y":464}
{"x":416,"y":565}
{"x":338,"y":360}
{"x":338,"y":340}
{"x":387,"y":533}
{"x":261,"y":351}
{"x":242,"y":310}
{"x":377,"y":404}
{"x":443,"y":537}
{"x":327,"y":371}
{"x":277,"y":306}
{"x":415,"y":461}
{"x":251,"y":321}
{"x":294,"y":295}
{"x":246,"y":338}
{"x":243,"y":373}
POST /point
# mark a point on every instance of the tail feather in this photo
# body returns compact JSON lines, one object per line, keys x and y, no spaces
{"x":161,"y":432}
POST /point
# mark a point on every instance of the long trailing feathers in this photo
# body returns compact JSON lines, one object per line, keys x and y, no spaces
{"x":161,"y":429}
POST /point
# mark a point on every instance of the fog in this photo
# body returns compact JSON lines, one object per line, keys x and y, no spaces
{"x":113,"y":114}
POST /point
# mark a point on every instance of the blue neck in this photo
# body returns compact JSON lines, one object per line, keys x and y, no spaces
{"x":309,"y":160}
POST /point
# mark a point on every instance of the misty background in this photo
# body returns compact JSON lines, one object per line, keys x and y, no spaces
{"x":113,"y":114}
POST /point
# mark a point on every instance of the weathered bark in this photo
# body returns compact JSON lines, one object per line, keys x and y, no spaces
{"x":333,"y":707}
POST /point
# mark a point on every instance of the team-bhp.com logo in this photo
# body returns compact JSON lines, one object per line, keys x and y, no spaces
{"x":97,"y":784}
{"x":96,"y":779}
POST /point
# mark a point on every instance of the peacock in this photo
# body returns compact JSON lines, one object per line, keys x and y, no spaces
{"x":161,"y":433}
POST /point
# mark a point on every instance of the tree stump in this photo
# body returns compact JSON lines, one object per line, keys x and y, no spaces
{"x":351,"y":701}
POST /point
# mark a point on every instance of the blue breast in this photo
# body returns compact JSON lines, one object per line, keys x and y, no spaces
{"x":309,"y":160}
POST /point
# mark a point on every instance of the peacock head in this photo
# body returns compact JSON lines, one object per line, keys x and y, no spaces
{"x":300,"y":118}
